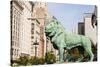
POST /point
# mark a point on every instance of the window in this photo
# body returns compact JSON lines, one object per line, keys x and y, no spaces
{"x":32,"y":28}
{"x":32,"y":32}
{"x":32,"y":37}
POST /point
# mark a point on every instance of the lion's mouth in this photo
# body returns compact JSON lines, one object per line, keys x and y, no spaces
{"x":47,"y":33}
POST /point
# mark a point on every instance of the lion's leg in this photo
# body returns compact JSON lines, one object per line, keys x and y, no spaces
{"x":89,"y":51}
{"x":88,"y":48}
{"x":68,"y":58}
{"x":61,"y":50}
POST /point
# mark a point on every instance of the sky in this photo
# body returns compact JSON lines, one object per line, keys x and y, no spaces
{"x":69,"y":14}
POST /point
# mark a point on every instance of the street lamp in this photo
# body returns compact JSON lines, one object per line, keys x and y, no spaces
{"x":47,"y":40}
{"x":36,"y":43}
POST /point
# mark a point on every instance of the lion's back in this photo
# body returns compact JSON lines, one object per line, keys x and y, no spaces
{"x":72,"y":38}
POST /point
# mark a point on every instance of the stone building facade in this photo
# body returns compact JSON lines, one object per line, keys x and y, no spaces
{"x":20,"y":28}
{"x":89,"y":26}
{"x":25,"y":29}
{"x":28,"y":38}
{"x":16,"y":12}
{"x":90,"y":22}
{"x":39,"y":16}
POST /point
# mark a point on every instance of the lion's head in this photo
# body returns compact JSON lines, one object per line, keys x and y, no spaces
{"x":51,"y":26}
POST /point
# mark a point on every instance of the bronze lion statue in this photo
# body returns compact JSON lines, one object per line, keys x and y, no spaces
{"x":62,"y":39}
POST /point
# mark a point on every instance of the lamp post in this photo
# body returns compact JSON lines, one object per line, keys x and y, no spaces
{"x":36,"y":43}
{"x":47,"y":40}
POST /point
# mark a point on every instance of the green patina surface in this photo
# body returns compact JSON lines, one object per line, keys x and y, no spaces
{"x":62,"y":39}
